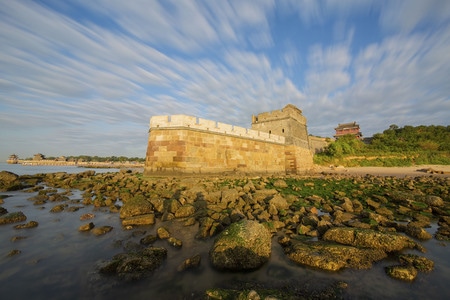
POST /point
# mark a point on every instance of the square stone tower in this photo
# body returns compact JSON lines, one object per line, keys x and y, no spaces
{"x":288,"y":122}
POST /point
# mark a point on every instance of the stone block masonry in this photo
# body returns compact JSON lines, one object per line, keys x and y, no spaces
{"x":187,"y":144}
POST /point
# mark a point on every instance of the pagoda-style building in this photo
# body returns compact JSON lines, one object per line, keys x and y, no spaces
{"x":348,"y":128}
{"x":13,"y":159}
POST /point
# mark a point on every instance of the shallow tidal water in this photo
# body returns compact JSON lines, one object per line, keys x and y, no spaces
{"x":58,"y":262}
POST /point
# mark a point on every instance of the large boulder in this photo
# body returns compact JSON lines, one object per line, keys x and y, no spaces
{"x":244,"y":245}
{"x":367,"y":238}
{"x":9,"y":181}
{"x":136,"y":206}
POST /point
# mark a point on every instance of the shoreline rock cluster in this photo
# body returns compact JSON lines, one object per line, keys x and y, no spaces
{"x":326,"y":221}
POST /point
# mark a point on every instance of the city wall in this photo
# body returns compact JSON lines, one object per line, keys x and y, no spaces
{"x":186,"y":144}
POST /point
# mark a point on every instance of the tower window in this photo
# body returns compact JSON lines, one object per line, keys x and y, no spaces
{"x":282,"y":130}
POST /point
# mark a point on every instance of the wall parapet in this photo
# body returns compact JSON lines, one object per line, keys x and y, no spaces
{"x":177,"y":121}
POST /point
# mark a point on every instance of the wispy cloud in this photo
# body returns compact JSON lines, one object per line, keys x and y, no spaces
{"x":88,"y":75}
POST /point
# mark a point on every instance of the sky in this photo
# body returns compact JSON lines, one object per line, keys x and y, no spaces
{"x":84,"y":77}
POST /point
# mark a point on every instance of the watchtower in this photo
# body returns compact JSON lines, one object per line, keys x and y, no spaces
{"x":288,"y":122}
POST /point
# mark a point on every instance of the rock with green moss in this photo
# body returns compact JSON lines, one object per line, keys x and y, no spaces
{"x":244,"y":245}
{"x":421,"y":263}
{"x":136,"y":206}
{"x":9,"y":181}
{"x":406,"y":273}
{"x":367,"y":238}
{"x":332,"y":256}
{"x":13,"y":217}
{"x":135,"y":265}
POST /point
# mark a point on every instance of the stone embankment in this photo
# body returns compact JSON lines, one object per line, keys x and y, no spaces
{"x":326,"y":221}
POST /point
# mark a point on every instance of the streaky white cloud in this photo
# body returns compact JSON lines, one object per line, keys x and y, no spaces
{"x":414,"y":13}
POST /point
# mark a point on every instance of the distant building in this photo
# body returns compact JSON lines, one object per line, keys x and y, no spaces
{"x":13,"y":159}
{"x":348,"y":128}
{"x":38,"y":156}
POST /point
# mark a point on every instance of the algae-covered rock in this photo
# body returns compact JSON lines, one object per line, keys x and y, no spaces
{"x":30,"y":224}
{"x":136,"y":206}
{"x":9,"y":181}
{"x":147,"y":219}
{"x":190,"y":263}
{"x":332,"y":256}
{"x":407,"y":273}
{"x":422,"y":264}
{"x":244,"y":245}
{"x":101,"y":230}
{"x":13,"y":217}
{"x":367,"y":238}
{"x":134,"y":265}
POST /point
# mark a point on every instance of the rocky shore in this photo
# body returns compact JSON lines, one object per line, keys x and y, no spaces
{"x":329,"y":220}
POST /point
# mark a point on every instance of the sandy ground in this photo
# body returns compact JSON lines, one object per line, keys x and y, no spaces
{"x":422,"y":170}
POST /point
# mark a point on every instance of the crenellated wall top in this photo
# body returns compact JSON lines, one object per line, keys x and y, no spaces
{"x":197,"y":123}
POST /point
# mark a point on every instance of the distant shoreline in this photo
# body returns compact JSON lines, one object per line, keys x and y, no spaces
{"x":116,"y":165}
{"x":418,"y":170}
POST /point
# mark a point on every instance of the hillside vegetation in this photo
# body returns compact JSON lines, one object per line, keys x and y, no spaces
{"x":396,"y":146}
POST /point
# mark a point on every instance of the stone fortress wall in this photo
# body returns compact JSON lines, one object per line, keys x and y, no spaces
{"x":212,"y":126}
{"x":187,"y":144}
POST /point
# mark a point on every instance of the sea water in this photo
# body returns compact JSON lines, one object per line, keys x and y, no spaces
{"x":59,"y":262}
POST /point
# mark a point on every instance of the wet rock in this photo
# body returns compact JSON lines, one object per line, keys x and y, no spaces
{"x":204,"y":231}
{"x":86,"y":227}
{"x":331,"y":256}
{"x":185,"y":211}
{"x":174,"y":242}
{"x":14,"y":252}
{"x":147,"y":219}
{"x":434,"y":201}
{"x":58,"y":208}
{"x":9,"y":181}
{"x":87,"y":216}
{"x":372,"y":204}
{"x":136,"y":206}
{"x":30,"y":224}
{"x":421,"y":263}
{"x":386,"y":241}
{"x":17,"y":238}
{"x":190,"y":263}
{"x":13,"y":217}
{"x":280,"y":183}
{"x":172,"y":205}
{"x":162,"y":233}
{"x":148,"y":239}
{"x":261,"y":195}
{"x":347,"y":205}
{"x":101,"y":230}
{"x":341,"y":217}
{"x":3,"y":211}
{"x":135,"y":265}
{"x":244,"y":245}
{"x":279,"y":202}
{"x":417,"y":232}
{"x":407,"y":273}
{"x":310,"y":220}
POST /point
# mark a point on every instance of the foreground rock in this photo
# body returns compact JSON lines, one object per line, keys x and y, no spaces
{"x":331,"y":256}
{"x":245,"y":245}
{"x":387,"y":242}
{"x":135,"y":265}
{"x":13,"y":217}
{"x":30,"y":224}
{"x":407,"y":273}
{"x":9,"y":181}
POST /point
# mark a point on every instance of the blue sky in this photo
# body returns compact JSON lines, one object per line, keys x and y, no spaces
{"x":84,"y":77}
